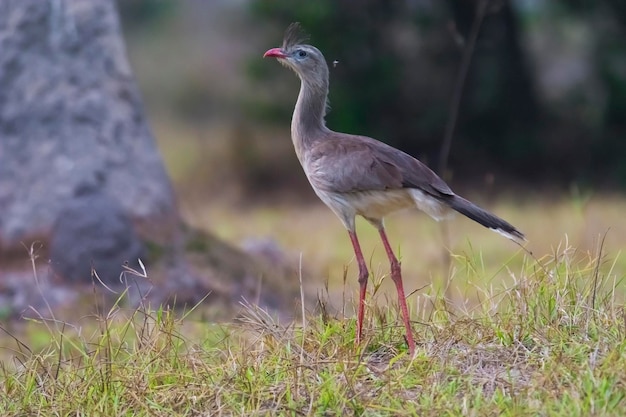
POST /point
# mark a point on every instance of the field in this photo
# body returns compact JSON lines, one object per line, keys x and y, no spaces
{"x":548,"y":343}
{"x":500,"y":329}
{"x":509,"y":334}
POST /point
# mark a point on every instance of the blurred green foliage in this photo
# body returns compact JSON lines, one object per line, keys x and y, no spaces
{"x":545,"y":97}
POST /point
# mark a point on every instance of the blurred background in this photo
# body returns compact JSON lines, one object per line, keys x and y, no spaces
{"x":543,"y":105}
{"x":539,"y":137}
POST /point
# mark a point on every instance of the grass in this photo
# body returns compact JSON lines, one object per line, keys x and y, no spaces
{"x":509,"y":334}
{"x":314,"y":231}
{"x":512,"y":334}
{"x":549,"y":340}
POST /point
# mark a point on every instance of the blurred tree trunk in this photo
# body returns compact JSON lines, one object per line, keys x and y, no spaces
{"x":75,"y":147}
{"x":618,"y":7}
{"x":79,"y":169}
{"x":500,"y":105}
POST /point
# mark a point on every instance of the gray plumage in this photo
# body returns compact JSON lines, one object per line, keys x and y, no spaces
{"x":357,"y":175}
{"x":346,"y":168}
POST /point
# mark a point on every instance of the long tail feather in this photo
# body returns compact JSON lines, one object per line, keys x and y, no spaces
{"x":485,"y":218}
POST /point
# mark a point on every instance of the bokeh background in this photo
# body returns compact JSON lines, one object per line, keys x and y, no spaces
{"x":539,"y":137}
{"x":542,"y":108}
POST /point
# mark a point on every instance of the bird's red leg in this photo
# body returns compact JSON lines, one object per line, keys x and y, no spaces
{"x":396,"y":276}
{"x":363,"y":275}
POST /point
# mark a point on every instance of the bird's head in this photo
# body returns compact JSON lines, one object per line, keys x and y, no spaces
{"x":307,"y":61}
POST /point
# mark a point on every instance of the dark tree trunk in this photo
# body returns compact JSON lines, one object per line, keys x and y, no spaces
{"x":499,"y":105}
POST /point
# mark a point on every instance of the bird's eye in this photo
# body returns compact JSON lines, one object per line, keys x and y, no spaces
{"x":301,"y":53}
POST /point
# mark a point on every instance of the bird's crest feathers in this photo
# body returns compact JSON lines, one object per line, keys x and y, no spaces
{"x":294,"y":35}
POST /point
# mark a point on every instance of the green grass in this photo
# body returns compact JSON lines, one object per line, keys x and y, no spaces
{"x":549,"y":340}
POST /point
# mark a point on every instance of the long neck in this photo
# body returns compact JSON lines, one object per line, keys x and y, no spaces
{"x":307,"y":124}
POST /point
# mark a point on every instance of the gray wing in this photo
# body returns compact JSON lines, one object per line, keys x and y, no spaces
{"x":347,"y":163}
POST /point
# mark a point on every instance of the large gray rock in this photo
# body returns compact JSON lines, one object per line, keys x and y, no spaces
{"x":71,"y":117}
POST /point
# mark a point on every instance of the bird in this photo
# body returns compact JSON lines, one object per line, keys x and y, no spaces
{"x":359,"y":176}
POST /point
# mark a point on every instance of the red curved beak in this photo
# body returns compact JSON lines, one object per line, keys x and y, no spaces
{"x":275,"y":53}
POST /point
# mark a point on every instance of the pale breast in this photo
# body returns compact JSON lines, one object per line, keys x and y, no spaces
{"x":370,"y":204}
{"x":378,"y":204}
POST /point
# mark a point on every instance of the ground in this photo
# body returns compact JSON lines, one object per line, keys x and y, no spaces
{"x":537,"y":330}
